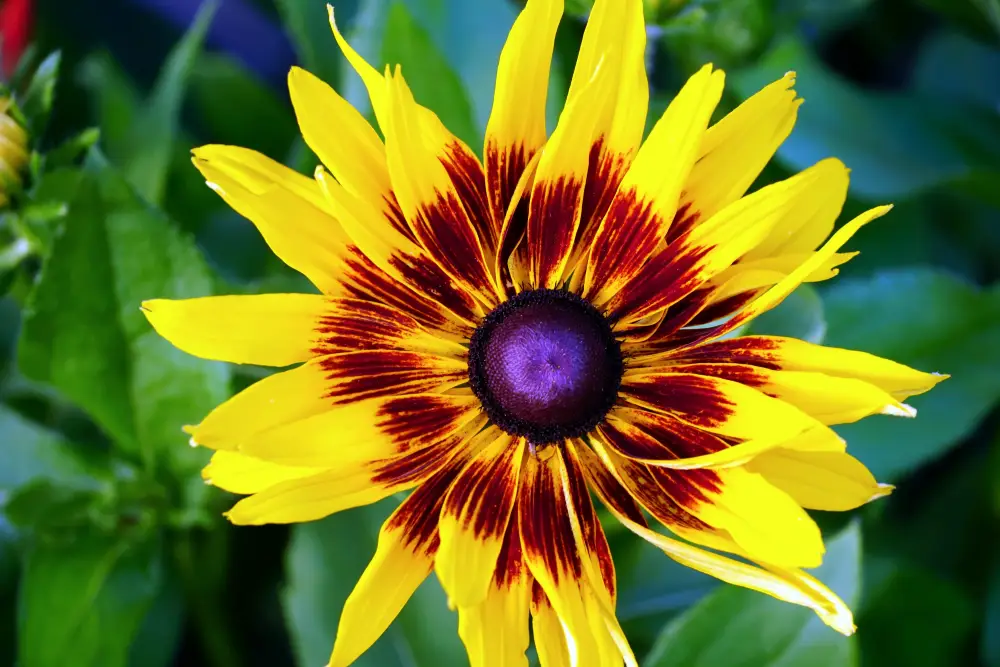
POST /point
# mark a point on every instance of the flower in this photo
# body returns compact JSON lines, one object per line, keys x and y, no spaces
{"x":15,"y":28}
{"x":506,"y":337}
{"x":13,"y":152}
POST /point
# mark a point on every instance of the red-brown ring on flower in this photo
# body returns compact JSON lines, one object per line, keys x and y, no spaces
{"x":545,"y":365}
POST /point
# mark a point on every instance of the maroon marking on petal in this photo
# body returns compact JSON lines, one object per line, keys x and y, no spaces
{"x":415,"y":421}
{"x":629,"y":236}
{"x":538,"y":597}
{"x":632,"y":442}
{"x":511,"y":568}
{"x":428,"y":278}
{"x":489,"y":489}
{"x":684,"y":221}
{"x":371,"y":373}
{"x":668,"y":277}
{"x":513,"y":234}
{"x":681,"y":314}
{"x":504,"y":168}
{"x":553,"y":215}
{"x":726,"y":307}
{"x":449,"y":237}
{"x":604,"y":174}
{"x":688,"y":488}
{"x":469,"y":179}
{"x":394,"y":215}
{"x":355,"y":324}
{"x":416,"y":464}
{"x":417,"y":516}
{"x":364,"y":280}
{"x":761,"y":351}
{"x":697,"y":400}
{"x":594,"y":539}
{"x":668,"y":503}
{"x":607,"y":487}
{"x":742,"y":373}
{"x":681,"y":438}
{"x":546,"y":531}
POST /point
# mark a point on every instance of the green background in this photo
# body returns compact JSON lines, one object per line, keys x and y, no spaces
{"x":113,"y":552}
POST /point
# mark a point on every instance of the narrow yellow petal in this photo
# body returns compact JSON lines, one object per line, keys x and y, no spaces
{"x":265,"y":329}
{"x":474,"y":520}
{"x":277,"y":399}
{"x":832,"y":481}
{"x":736,"y":149}
{"x":550,"y":637}
{"x":371,"y":77}
{"x":238,"y":473}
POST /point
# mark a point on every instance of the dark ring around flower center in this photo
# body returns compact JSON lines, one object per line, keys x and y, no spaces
{"x":545,"y":365}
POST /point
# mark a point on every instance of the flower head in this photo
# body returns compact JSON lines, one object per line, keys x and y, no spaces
{"x":507,"y":337}
{"x":13,"y":152}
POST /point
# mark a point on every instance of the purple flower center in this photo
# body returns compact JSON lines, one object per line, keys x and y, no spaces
{"x":545,"y":365}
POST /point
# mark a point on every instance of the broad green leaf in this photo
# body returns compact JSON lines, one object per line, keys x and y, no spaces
{"x":932,"y":321}
{"x":433,"y":82}
{"x":742,"y":628}
{"x":158,"y":638}
{"x":325,"y":560}
{"x":29,"y":451}
{"x":82,"y":601}
{"x":116,"y":104}
{"x":84,"y":334}
{"x":798,"y":316}
{"x":155,"y":130}
{"x":914,"y":618}
{"x":236,"y":108}
{"x":890,"y":144}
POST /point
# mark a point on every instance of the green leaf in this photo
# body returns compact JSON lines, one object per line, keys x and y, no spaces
{"x":939,"y":619}
{"x":433,"y":82}
{"x":932,"y":321}
{"x":115,"y":102}
{"x":31,"y":452}
{"x":798,"y":316}
{"x":81,"y":602}
{"x":36,"y":104}
{"x":324,"y":561}
{"x":84,"y":334}
{"x":155,"y":131}
{"x":991,"y":623}
{"x":742,"y":628}
{"x":219,"y":85}
{"x":307,"y":24}
{"x":891,"y":144}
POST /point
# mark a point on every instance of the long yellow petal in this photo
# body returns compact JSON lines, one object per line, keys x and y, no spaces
{"x":238,"y":473}
{"x":474,"y":520}
{"x":403,"y":559}
{"x":648,"y":196}
{"x":277,"y":399}
{"x":736,"y":149}
{"x":832,"y":481}
{"x":516,"y":128}
{"x":288,"y":209}
{"x":789,"y":585}
{"x":550,"y":637}
{"x":264,"y":329}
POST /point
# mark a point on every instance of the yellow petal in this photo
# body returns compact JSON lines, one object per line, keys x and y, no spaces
{"x":516,"y":128}
{"x":287,"y":208}
{"x":495,"y":631}
{"x":340,"y":136}
{"x":833,"y":481}
{"x":754,"y":274}
{"x":474,"y":520}
{"x":264,"y":329}
{"x":403,"y":559}
{"x":736,"y":149}
{"x":238,"y":473}
{"x":419,"y":158}
{"x":277,"y":399}
{"x":364,"y":431}
{"x":649,"y":194}
{"x":790,"y":585}
{"x":550,"y":637}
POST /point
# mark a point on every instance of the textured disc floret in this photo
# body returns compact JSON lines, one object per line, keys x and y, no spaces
{"x":545,"y":365}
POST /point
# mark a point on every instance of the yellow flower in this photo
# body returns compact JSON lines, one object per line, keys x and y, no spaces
{"x":13,"y":151}
{"x":505,"y":337}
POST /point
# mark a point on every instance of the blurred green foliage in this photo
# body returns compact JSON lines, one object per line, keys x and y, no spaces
{"x":113,"y":552}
